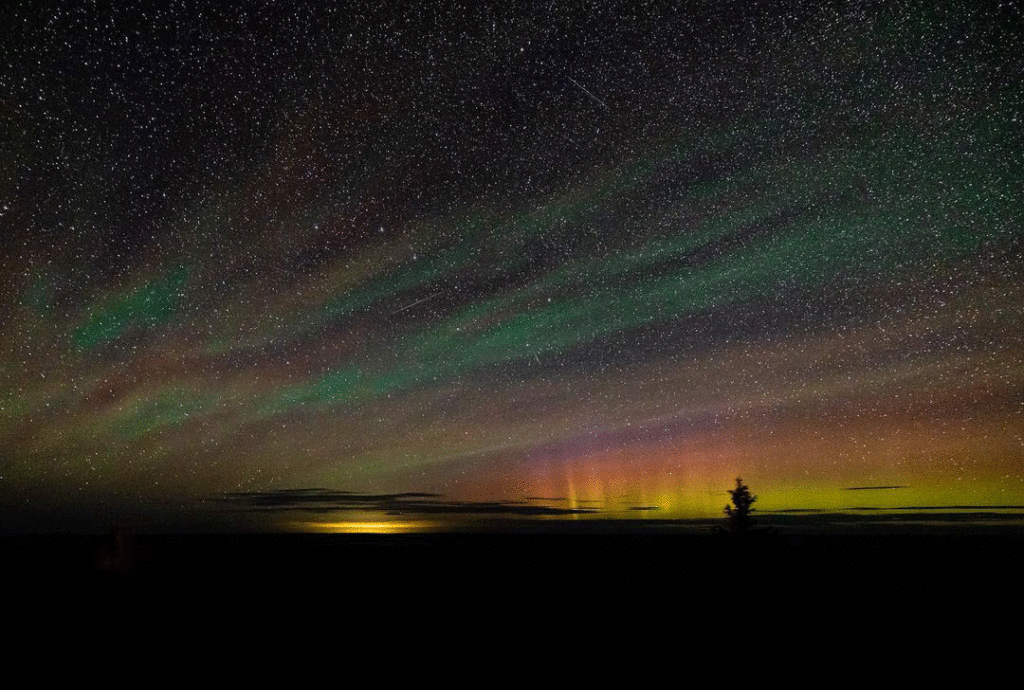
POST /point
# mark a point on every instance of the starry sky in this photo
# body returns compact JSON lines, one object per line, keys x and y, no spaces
{"x":538,"y":258}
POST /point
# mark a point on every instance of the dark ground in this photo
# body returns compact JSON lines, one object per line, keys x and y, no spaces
{"x":456,"y":564}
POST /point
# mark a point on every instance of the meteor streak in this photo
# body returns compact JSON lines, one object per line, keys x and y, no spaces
{"x":419,"y":301}
{"x":584,"y":89}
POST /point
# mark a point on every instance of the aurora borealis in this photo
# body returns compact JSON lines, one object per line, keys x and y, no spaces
{"x":593,"y":257}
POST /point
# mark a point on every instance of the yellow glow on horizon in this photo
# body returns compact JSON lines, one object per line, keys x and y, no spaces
{"x":369,"y":526}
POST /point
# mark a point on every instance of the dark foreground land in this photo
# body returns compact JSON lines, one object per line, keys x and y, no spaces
{"x":516,"y":562}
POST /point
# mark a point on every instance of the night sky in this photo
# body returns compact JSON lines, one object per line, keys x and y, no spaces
{"x":508,"y":258}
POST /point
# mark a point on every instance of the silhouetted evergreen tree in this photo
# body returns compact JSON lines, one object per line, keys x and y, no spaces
{"x":739,"y":516}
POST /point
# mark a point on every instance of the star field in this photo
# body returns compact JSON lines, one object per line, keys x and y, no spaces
{"x":610,"y":256}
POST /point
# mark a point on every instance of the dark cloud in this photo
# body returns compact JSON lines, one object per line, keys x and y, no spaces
{"x":873,"y":488}
{"x":327,"y":501}
{"x":867,"y":515}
